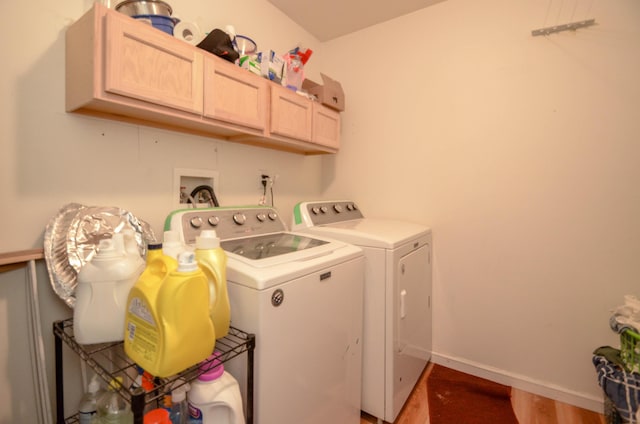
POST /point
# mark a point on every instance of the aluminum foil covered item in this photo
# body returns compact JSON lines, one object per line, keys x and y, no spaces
{"x":72,"y":236}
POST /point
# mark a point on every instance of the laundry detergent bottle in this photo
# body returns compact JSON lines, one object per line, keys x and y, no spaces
{"x":168,"y":328}
{"x":103,"y":287}
{"x":214,"y":397}
{"x":213,"y":261}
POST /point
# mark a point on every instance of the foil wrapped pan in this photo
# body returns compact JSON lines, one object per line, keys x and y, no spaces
{"x":72,"y":236}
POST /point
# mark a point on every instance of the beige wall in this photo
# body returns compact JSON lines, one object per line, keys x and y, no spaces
{"x":522,"y":154}
{"x":51,"y":158}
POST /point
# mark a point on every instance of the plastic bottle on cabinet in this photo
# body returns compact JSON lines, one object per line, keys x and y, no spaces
{"x":103,"y":287}
{"x":89,"y":403}
{"x":168,"y":328}
{"x":213,"y":260}
{"x":214,"y":397}
{"x":112,"y":408}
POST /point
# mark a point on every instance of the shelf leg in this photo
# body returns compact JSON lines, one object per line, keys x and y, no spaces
{"x":137,"y":405}
{"x":250,"y":354}
{"x":59,"y":376}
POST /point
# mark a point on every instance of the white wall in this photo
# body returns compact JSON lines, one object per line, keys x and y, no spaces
{"x":522,"y":155}
{"x":51,"y":158}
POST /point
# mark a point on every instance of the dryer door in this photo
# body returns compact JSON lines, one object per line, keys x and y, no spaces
{"x":412,"y":344}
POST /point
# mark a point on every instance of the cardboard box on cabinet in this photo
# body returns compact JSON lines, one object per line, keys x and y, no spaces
{"x":329,"y":94}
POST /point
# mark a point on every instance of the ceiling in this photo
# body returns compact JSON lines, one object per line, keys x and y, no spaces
{"x":328,"y":19}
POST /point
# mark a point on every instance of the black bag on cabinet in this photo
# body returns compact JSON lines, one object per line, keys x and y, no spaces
{"x":219,"y":43}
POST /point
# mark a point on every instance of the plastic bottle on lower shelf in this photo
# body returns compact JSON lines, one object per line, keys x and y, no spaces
{"x":179,"y":410}
{"x":89,"y":403}
{"x":112,"y":408}
{"x":214,"y":397}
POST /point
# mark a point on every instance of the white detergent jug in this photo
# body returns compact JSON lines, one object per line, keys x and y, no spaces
{"x":101,"y":294}
{"x":214,"y":397}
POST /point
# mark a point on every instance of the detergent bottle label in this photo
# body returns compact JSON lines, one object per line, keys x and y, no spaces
{"x":195,"y":413}
{"x":142,"y":332}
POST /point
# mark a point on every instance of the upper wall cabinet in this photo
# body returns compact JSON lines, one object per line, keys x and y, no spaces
{"x":121,"y":68}
{"x":234,"y":95}
{"x":140,"y":65}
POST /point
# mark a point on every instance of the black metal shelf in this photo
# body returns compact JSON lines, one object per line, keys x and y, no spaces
{"x":109,"y":360}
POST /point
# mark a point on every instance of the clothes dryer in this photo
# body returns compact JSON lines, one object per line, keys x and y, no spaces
{"x":302,"y":297}
{"x":397,"y":297}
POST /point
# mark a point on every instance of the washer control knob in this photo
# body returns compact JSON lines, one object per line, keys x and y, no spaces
{"x":315,"y":210}
{"x":239,"y":218}
{"x":261,"y":217}
{"x":213,"y":220}
{"x":350,"y":207}
{"x":273,"y":216}
{"x":323,"y":209}
{"x":196,"y":222}
{"x":337,"y":208}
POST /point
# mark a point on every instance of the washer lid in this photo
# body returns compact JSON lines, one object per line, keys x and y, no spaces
{"x":270,"y":245}
{"x":300,"y":255}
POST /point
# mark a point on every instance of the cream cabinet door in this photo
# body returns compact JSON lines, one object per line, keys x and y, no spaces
{"x":291,"y":114}
{"x":144,"y":63}
{"x":326,"y":126}
{"x":234,"y":95}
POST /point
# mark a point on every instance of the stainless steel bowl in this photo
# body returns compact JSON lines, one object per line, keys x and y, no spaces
{"x":144,"y":7}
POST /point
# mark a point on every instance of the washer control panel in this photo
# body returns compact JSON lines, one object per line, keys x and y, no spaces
{"x":227,"y":222}
{"x":320,"y":213}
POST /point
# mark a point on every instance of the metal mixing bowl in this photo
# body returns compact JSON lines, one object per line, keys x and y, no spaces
{"x":144,"y":7}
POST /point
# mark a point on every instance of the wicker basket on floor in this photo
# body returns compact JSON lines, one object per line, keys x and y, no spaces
{"x":611,"y":414}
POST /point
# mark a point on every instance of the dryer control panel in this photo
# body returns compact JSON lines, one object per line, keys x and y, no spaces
{"x":320,"y":213}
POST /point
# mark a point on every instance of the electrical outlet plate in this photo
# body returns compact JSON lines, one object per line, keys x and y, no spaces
{"x":190,"y":179}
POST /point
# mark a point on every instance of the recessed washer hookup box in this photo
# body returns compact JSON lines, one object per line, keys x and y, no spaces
{"x":329,"y":94}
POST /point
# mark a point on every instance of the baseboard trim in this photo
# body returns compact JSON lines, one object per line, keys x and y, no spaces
{"x":521,"y":382}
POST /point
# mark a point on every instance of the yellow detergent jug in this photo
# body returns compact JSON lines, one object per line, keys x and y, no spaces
{"x":213,"y":261}
{"x":167,"y":327}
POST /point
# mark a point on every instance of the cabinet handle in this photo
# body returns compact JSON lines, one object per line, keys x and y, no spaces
{"x":403,"y":312}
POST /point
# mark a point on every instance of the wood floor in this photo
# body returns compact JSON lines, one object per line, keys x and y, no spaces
{"x":529,"y":409}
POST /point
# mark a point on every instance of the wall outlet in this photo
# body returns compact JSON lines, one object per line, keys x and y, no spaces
{"x":261,"y":173}
{"x":185,"y":181}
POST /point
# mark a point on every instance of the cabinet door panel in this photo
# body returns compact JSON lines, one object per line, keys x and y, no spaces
{"x":234,"y":95}
{"x":140,"y":63}
{"x":326,"y":126}
{"x":290,"y":114}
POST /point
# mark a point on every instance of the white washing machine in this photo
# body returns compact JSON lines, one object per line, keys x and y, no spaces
{"x":397,"y":306}
{"x":302,"y":296}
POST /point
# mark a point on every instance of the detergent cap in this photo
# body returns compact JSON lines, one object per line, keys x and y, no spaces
{"x":212,"y":367}
{"x":130,"y":243}
{"x":208,"y":239}
{"x":107,"y":250}
{"x":172,"y":245}
{"x":187,"y":262}
{"x":94,"y":384}
{"x":180,"y":393}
